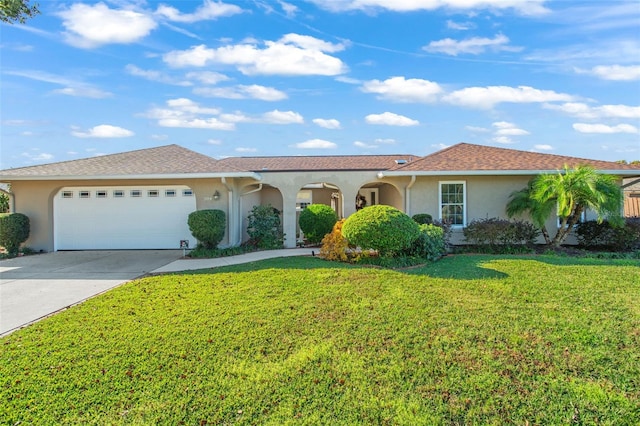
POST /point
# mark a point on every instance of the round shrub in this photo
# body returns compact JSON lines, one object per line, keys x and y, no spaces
{"x":382,"y":228}
{"x":316,"y":221}
{"x":14,"y":230}
{"x":208,"y":227}
{"x":430,"y":244}
{"x":265,"y":228}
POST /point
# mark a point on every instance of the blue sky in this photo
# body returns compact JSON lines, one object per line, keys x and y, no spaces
{"x":321,"y":77}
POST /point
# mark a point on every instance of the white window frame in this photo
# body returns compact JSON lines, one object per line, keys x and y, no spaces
{"x":464,"y":200}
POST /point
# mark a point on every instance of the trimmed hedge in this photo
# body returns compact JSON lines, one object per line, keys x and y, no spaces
{"x":500,"y":232}
{"x":14,"y":230}
{"x":316,"y":221}
{"x":208,"y":227}
{"x":382,"y":228}
{"x":430,"y":244}
{"x":592,"y":234}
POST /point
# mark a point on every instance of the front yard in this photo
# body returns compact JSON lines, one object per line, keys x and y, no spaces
{"x":469,"y":339}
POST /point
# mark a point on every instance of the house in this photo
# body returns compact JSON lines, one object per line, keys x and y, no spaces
{"x":141,"y":199}
{"x":631,"y":188}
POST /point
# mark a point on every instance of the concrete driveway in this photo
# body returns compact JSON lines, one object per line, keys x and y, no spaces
{"x":32,"y":287}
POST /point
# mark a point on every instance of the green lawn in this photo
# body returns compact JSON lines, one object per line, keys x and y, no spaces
{"x":467,"y":340}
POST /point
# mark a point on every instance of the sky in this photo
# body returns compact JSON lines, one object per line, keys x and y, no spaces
{"x":321,"y":77}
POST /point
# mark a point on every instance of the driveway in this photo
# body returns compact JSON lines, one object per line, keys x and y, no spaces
{"x":32,"y":287}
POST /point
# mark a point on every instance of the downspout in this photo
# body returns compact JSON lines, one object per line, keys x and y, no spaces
{"x":407,"y":195}
{"x":259,"y":188}
{"x":231,"y":223}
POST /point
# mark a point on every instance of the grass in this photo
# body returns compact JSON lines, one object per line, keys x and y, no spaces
{"x":467,"y":340}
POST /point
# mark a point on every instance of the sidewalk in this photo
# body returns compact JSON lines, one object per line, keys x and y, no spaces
{"x":191,"y":264}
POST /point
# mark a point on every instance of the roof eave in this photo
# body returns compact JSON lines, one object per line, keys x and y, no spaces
{"x":251,"y":175}
{"x":382,"y":174}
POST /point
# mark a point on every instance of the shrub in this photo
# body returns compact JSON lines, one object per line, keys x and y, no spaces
{"x":265,"y":228}
{"x":500,"y":232}
{"x":14,"y":230}
{"x":316,"y":221}
{"x":335,"y":246}
{"x":592,"y":234}
{"x":430,"y":243}
{"x":422,"y":218}
{"x":208,"y":227}
{"x":382,"y":228}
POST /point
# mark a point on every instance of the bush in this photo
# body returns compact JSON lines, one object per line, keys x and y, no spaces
{"x":316,"y":221}
{"x":208,"y":227}
{"x":592,"y":234}
{"x":335,"y":246}
{"x":14,"y":230}
{"x":500,"y":232}
{"x":265,"y":228}
{"x":422,"y":218}
{"x":430,"y":243}
{"x":382,"y":228}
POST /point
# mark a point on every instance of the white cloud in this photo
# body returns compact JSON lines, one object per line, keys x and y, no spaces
{"x":207,"y":11}
{"x":83,"y":92}
{"x":315,"y":144}
{"x":364,"y":145}
{"x":214,"y":141}
{"x":460,"y":26}
{"x":390,"y":119}
{"x":282,"y":117}
{"x":543,"y":147}
{"x":530,"y":7}
{"x":73,"y":87}
{"x":604,"y":129}
{"x":245,"y":149}
{"x":253,"y":91}
{"x":207,"y":77}
{"x":488,"y":97}
{"x":582,"y":110}
{"x":503,"y":139}
{"x":185,"y":113}
{"x":289,"y":9}
{"x":155,"y":76}
{"x":293,"y":54}
{"x":89,"y":26}
{"x":614,"y":72}
{"x":331,"y":123}
{"x":399,"y":89}
{"x":475,"y":45}
{"x":43,"y":156}
{"x":508,"y":129}
{"x":387,"y":141}
{"x":103,"y":131}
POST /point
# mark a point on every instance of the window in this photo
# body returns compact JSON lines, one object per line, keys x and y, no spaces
{"x":84,"y":194}
{"x":452,"y":203}
{"x":135,"y":193}
{"x":118,"y":193}
{"x":152,"y":193}
{"x":170,"y":193}
{"x":101,"y":194}
{"x":67,"y":194}
{"x":187,"y":193}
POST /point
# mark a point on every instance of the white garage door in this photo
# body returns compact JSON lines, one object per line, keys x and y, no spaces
{"x":122,"y":217}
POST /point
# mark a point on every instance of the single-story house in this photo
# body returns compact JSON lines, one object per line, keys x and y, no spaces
{"x":141,"y":199}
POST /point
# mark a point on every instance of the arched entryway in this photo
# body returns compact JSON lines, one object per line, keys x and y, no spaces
{"x":378,"y":193}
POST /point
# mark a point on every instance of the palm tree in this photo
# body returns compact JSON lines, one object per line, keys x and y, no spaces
{"x":521,"y":202}
{"x":572,"y":191}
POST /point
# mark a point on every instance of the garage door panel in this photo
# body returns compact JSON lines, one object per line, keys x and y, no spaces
{"x":83,"y":221}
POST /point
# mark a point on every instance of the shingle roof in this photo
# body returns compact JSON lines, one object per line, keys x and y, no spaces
{"x":317,"y":163}
{"x":163,"y":160}
{"x":466,"y":156}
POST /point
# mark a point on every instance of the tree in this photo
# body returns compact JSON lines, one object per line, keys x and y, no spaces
{"x":17,"y":10}
{"x":571,"y":191}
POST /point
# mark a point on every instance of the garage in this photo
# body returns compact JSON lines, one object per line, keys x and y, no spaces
{"x":122,"y":217}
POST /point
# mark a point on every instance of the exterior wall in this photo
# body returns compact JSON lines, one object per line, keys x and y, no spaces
{"x":35,"y":199}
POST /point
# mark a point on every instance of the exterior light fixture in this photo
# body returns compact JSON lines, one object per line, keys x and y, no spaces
{"x":216,"y":195}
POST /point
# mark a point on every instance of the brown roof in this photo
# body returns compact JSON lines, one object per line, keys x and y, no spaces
{"x":311,"y":163}
{"x":466,"y":156}
{"x":163,"y":160}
